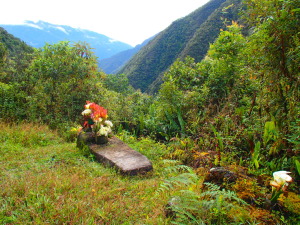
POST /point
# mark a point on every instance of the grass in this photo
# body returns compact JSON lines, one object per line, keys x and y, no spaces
{"x":45,"y":180}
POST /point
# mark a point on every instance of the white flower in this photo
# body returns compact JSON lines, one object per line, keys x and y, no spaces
{"x":86,"y":112}
{"x":108,"y":123}
{"x":109,"y":130}
{"x":87,"y":106}
{"x":281,"y":180}
{"x":104,"y":130}
{"x":281,"y":177}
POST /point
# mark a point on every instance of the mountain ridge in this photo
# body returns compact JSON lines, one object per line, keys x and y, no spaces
{"x":13,"y":45}
{"x":114,"y":63}
{"x":145,"y":69}
{"x":36,"y":34}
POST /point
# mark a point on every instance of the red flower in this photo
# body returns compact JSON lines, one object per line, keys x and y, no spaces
{"x":97,"y":111}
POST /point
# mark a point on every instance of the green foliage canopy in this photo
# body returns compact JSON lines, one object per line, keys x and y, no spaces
{"x":275,"y":44}
{"x":62,"y":78}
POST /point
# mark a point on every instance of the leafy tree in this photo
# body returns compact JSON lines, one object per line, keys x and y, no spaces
{"x":189,"y":87}
{"x":62,"y":78}
{"x":275,"y":45}
{"x":3,"y":54}
{"x":118,"y":83}
{"x":224,"y":57}
{"x":274,"y":66}
{"x":185,"y":74}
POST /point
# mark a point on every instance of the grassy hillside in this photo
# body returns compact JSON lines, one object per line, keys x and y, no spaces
{"x":15,"y":56}
{"x":45,"y":180}
{"x":208,"y":31}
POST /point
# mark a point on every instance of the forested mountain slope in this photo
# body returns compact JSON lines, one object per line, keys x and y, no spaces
{"x":15,"y":55}
{"x":190,"y":35}
{"x":112,"y":64}
{"x":11,"y":45}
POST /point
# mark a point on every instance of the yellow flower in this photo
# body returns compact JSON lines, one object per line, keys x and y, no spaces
{"x":87,"y":106}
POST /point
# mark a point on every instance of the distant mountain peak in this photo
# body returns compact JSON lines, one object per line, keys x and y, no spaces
{"x":32,"y":24}
{"x":37,"y":34}
{"x":42,"y":25}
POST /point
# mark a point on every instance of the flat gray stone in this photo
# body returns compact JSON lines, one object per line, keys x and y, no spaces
{"x":116,"y":153}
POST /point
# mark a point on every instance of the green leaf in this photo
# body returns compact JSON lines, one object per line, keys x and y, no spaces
{"x":297,"y":164}
{"x":270,"y":132}
{"x":255,"y":154}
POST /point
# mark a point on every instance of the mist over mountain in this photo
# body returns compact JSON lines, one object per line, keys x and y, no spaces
{"x":36,"y":34}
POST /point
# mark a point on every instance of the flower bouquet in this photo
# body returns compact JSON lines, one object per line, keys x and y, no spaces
{"x":95,"y":120}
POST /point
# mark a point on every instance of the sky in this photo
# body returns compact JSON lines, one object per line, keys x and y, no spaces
{"x":129,"y":21}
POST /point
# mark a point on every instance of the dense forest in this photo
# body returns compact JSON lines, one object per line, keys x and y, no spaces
{"x":237,"y":107}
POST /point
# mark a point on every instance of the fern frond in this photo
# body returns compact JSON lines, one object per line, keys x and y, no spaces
{"x":178,"y":169}
{"x":212,"y":187}
{"x":171,"y":161}
{"x":182,"y":180}
{"x":227,"y":195}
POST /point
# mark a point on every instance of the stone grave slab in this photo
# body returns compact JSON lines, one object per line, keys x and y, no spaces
{"x":116,"y":153}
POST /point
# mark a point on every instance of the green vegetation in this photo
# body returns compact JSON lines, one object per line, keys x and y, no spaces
{"x":188,"y":36}
{"x":237,"y":108}
{"x":46,"y":180}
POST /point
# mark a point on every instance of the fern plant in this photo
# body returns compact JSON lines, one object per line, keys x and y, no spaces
{"x":220,"y":204}
{"x":179,"y":176}
{"x":190,"y":204}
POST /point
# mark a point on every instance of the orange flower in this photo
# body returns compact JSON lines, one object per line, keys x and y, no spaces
{"x":95,"y":118}
{"x":97,"y":111}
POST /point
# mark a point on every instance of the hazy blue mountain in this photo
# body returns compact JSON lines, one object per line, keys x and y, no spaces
{"x":114,"y":63}
{"x":36,"y":34}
